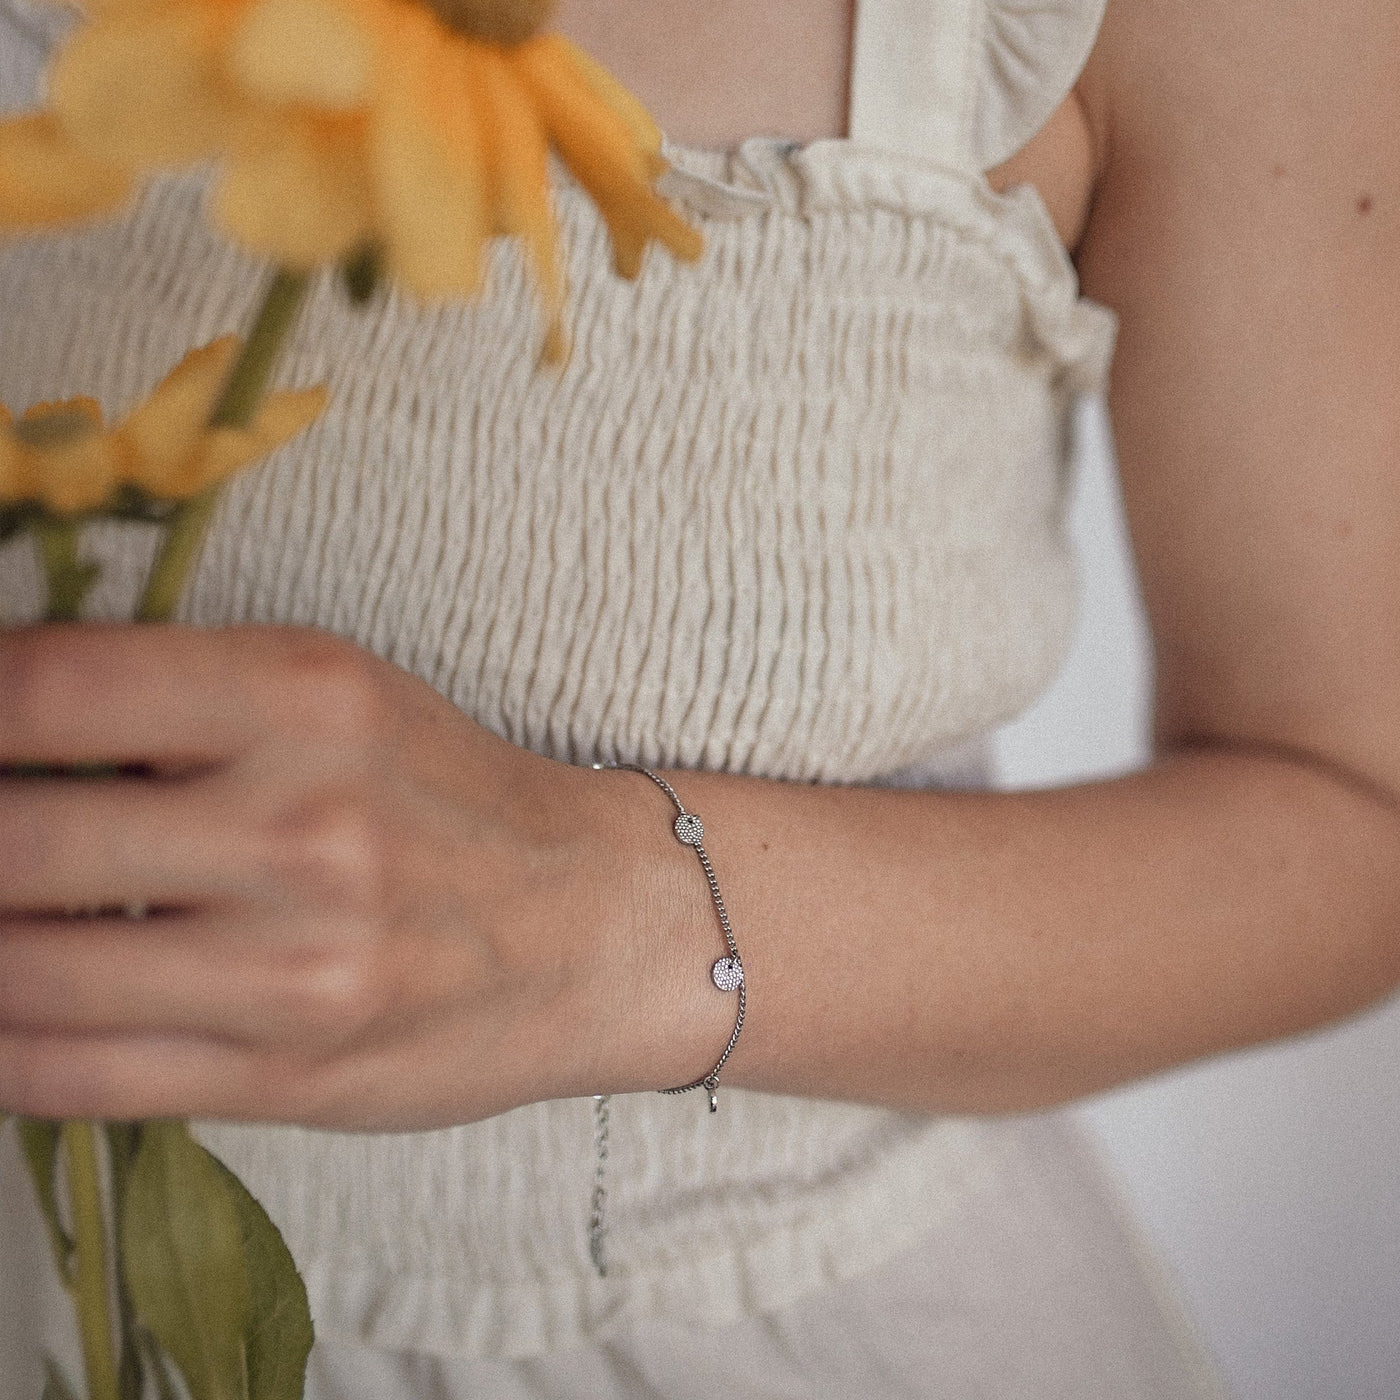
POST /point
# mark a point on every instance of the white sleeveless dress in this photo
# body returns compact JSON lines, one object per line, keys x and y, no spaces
{"x":796,"y":513}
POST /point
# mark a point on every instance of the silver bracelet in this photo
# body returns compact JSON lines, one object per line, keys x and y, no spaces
{"x":727,"y":974}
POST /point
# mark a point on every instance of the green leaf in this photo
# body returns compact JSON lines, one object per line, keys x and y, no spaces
{"x":182,"y":1252}
{"x":159,"y":1367}
{"x":280,"y":1332}
{"x":39,"y":1139}
{"x":56,"y":1386}
{"x":69,"y":578}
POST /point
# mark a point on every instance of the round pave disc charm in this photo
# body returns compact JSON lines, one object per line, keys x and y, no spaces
{"x":690,"y":830}
{"x":728,"y":974}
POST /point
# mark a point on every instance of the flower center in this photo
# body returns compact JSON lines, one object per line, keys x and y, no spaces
{"x":54,"y":429}
{"x":501,"y":21}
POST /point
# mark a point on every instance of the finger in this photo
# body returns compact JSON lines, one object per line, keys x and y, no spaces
{"x":115,"y":976}
{"x":124,"y":694}
{"x":133,"y":1077}
{"x":69,"y":843}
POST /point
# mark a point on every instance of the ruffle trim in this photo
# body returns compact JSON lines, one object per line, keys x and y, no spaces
{"x":764,"y":176}
{"x":1033,"y":54}
{"x":840,"y":1235}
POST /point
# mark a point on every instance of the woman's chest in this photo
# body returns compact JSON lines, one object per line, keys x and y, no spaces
{"x":717,"y":73}
{"x":793,"y":512}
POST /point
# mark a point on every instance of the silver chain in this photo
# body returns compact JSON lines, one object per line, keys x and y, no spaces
{"x":597,"y":1218}
{"x":727,"y":974}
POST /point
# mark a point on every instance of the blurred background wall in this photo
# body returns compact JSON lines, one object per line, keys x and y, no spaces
{"x":1269,"y":1180}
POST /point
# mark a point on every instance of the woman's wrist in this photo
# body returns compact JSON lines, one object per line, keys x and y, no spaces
{"x":633,"y":912}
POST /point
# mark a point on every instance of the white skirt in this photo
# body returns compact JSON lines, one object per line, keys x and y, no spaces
{"x":1039,"y":1289}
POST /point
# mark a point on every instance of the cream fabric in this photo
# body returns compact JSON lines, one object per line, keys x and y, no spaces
{"x":965,"y":83}
{"x":1055,"y":1302}
{"x":1036,"y":1287}
{"x":796,"y":513}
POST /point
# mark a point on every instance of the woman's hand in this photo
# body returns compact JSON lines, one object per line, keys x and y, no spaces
{"x":362,"y":910}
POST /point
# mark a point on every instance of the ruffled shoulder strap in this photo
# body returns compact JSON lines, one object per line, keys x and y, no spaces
{"x":1033,"y":52}
{"x":964,"y":83}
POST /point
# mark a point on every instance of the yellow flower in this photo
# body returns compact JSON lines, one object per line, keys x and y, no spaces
{"x":61,"y":457}
{"x":46,"y":179}
{"x":417,"y":129}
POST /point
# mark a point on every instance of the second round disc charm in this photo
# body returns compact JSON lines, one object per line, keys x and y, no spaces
{"x":728,"y":974}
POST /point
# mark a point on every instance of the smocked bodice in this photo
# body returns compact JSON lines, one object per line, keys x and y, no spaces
{"x":794,"y":514}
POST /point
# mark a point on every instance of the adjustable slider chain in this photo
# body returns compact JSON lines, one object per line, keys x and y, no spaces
{"x":727,"y":974}
{"x":597,"y":1217}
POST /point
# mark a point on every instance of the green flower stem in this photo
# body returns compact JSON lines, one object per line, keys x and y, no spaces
{"x":122,"y":1139}
{"x":179,"y":552}
{"x":247,"y":382}
{"x":236,"y":408}
{"x":91,"y":1295}
{"x":68,"y":580}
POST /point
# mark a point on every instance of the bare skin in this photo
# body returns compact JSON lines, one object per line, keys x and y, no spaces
{"x":397,"y":920}
{"x":714,"y":74}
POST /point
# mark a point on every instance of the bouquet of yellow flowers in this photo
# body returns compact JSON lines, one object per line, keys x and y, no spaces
{"x":382,"y":139}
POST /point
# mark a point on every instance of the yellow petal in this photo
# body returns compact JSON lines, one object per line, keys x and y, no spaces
{"x":298,"y":191}
{"x":597,"y":146}
{"x":223,"y":452}
{"x":45,"y":179}
{"x":517,"y":159}
{"x":160,"y":434}
{"x":428,"y":168}
{"x":68,"y":417}
{"x":140,"y":87}
{"x":220,"y":453}
{"x":310,"y":51}
{"x":17,"y":480}
{"x":283,"y":415}
{"x":637,"y":219}
{"x":79,"y":477}
{"x":646,"y":135}
{"x":566,"y":98}
{"x":11,"y":486}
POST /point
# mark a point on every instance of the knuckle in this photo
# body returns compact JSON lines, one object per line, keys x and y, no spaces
{"x":335,"y":995}
{"x":42,"y":673}
{"x":329,"y":687}
{"x":333,"y":847}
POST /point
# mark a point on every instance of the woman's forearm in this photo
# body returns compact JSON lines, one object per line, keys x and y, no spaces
{"x":992,"y":952}
{"x":366,"y":912}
